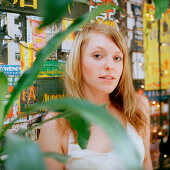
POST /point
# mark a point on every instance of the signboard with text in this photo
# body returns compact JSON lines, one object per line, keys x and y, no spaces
{"x":107,"y":17}
{"x":137,"y":44}
{"x":20,"y":6}
{"x":151,"y":53}
{"x":52,"y":69}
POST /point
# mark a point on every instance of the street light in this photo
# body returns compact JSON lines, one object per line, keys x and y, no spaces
{"x":7,"y":38}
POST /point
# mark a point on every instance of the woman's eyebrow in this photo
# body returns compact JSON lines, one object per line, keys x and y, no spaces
{"x":118,"y":53}
{"x":99,"y":47}
{"x":103,"y":49}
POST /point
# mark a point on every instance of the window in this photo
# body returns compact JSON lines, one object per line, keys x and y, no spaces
{"x":17,"y":56}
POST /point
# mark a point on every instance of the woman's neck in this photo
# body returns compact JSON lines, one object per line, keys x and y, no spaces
{"x":96,"y":98}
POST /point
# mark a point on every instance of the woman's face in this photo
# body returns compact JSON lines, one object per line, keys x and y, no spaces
{"x":102,"y":64}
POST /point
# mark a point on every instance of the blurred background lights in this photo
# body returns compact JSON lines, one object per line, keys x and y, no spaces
{"x":155,"y":130}
{"x":160,"y":133}
{"x":142,"y":86}
{"x":157,"y":105}
{"x":154,"y":102}
{"x":165,"y":156}
{"x":117,"y":20}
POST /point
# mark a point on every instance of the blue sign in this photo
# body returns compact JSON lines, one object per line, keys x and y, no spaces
{"x":12,"y":70}
{"x":155,"y":94}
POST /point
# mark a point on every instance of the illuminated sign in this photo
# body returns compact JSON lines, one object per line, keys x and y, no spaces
{"x":11,"y":69}
{"x":52,"y":69}
{"x":105,"y":16}
{"x":28,"y":7}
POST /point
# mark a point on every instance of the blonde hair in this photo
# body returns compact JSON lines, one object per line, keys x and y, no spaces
{"x":123,"y":97}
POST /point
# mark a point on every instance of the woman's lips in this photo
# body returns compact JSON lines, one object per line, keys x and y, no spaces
{"x":107,"y":77}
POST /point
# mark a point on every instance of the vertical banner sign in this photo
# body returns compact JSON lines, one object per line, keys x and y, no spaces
{"x":13,"y":73}
{"x":38,"y":37}
{"x":151,"y":49}
{"x":26,"y":56}
{"x":137,"y":29}
{"x":68,"y":40}
{"x":106,"y":17}
{"x":165,"y":49}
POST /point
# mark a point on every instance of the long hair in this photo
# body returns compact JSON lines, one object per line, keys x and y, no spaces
{"x":123,"y":97}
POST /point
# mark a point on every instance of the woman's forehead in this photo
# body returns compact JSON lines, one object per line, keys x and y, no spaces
{"x":100,"y":41}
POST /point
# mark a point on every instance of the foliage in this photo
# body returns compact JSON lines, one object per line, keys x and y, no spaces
{"x":161,"y":7}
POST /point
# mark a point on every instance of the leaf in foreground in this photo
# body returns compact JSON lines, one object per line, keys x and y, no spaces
{"x":53,"y":10}
{"x":59,"y":157}
{"x":23,"y":154}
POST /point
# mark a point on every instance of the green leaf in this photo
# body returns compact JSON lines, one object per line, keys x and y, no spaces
{"x":83,"y":131}
{"x":100,"y":116}
{"x":53,"y":10}
{"x":3,"y":91}
{"x":23,"y":154}
{"x":59,"y":157}
{"x":30,"y":75}
{"x":161,"y":7}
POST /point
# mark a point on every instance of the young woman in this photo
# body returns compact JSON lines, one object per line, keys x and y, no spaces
{"x":98,"y":70}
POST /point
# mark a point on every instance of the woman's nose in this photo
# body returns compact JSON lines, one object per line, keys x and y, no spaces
{"x":109,"y":64}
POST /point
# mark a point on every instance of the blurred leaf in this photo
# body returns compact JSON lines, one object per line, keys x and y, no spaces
{"x":23,"y":154}
{"x":161,"y":7}
{"x":30,"y":75}
{"x":53,"y":10}
{"x":82,"y":127}
{"x":59,"y":157}
{"x":82,"y":1}
{"x":3,"y":91}
{"x":98,"y":115}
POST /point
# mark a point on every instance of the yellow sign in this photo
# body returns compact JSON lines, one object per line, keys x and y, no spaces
{"x":23,"y":4}
{"x":68,"y":40}
{"x":106,"y":22}
{"x":151,"y":46}
{"x":48,"y":97}
{"x":26,"y":50}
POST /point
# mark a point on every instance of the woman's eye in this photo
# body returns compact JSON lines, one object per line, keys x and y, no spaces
{"x":97,"y":56}
{"x":118,"y":58}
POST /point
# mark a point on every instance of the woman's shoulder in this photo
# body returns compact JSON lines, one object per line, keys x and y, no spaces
{"x":58,"y":123}
{"x":54,"y":131}
{"x":143,"y":102}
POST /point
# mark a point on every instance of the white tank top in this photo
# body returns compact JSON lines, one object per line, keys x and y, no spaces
{"x":81,"y":159}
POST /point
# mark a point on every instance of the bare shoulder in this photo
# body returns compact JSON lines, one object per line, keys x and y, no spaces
{"x":51,"y":139}
{"x":53,"y":123}
{"x":50,"y":125}
{"x":50,"y":130}
{"x":53,"y":133}
{"x":143,"y":99}
{"x":143,"y":103}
